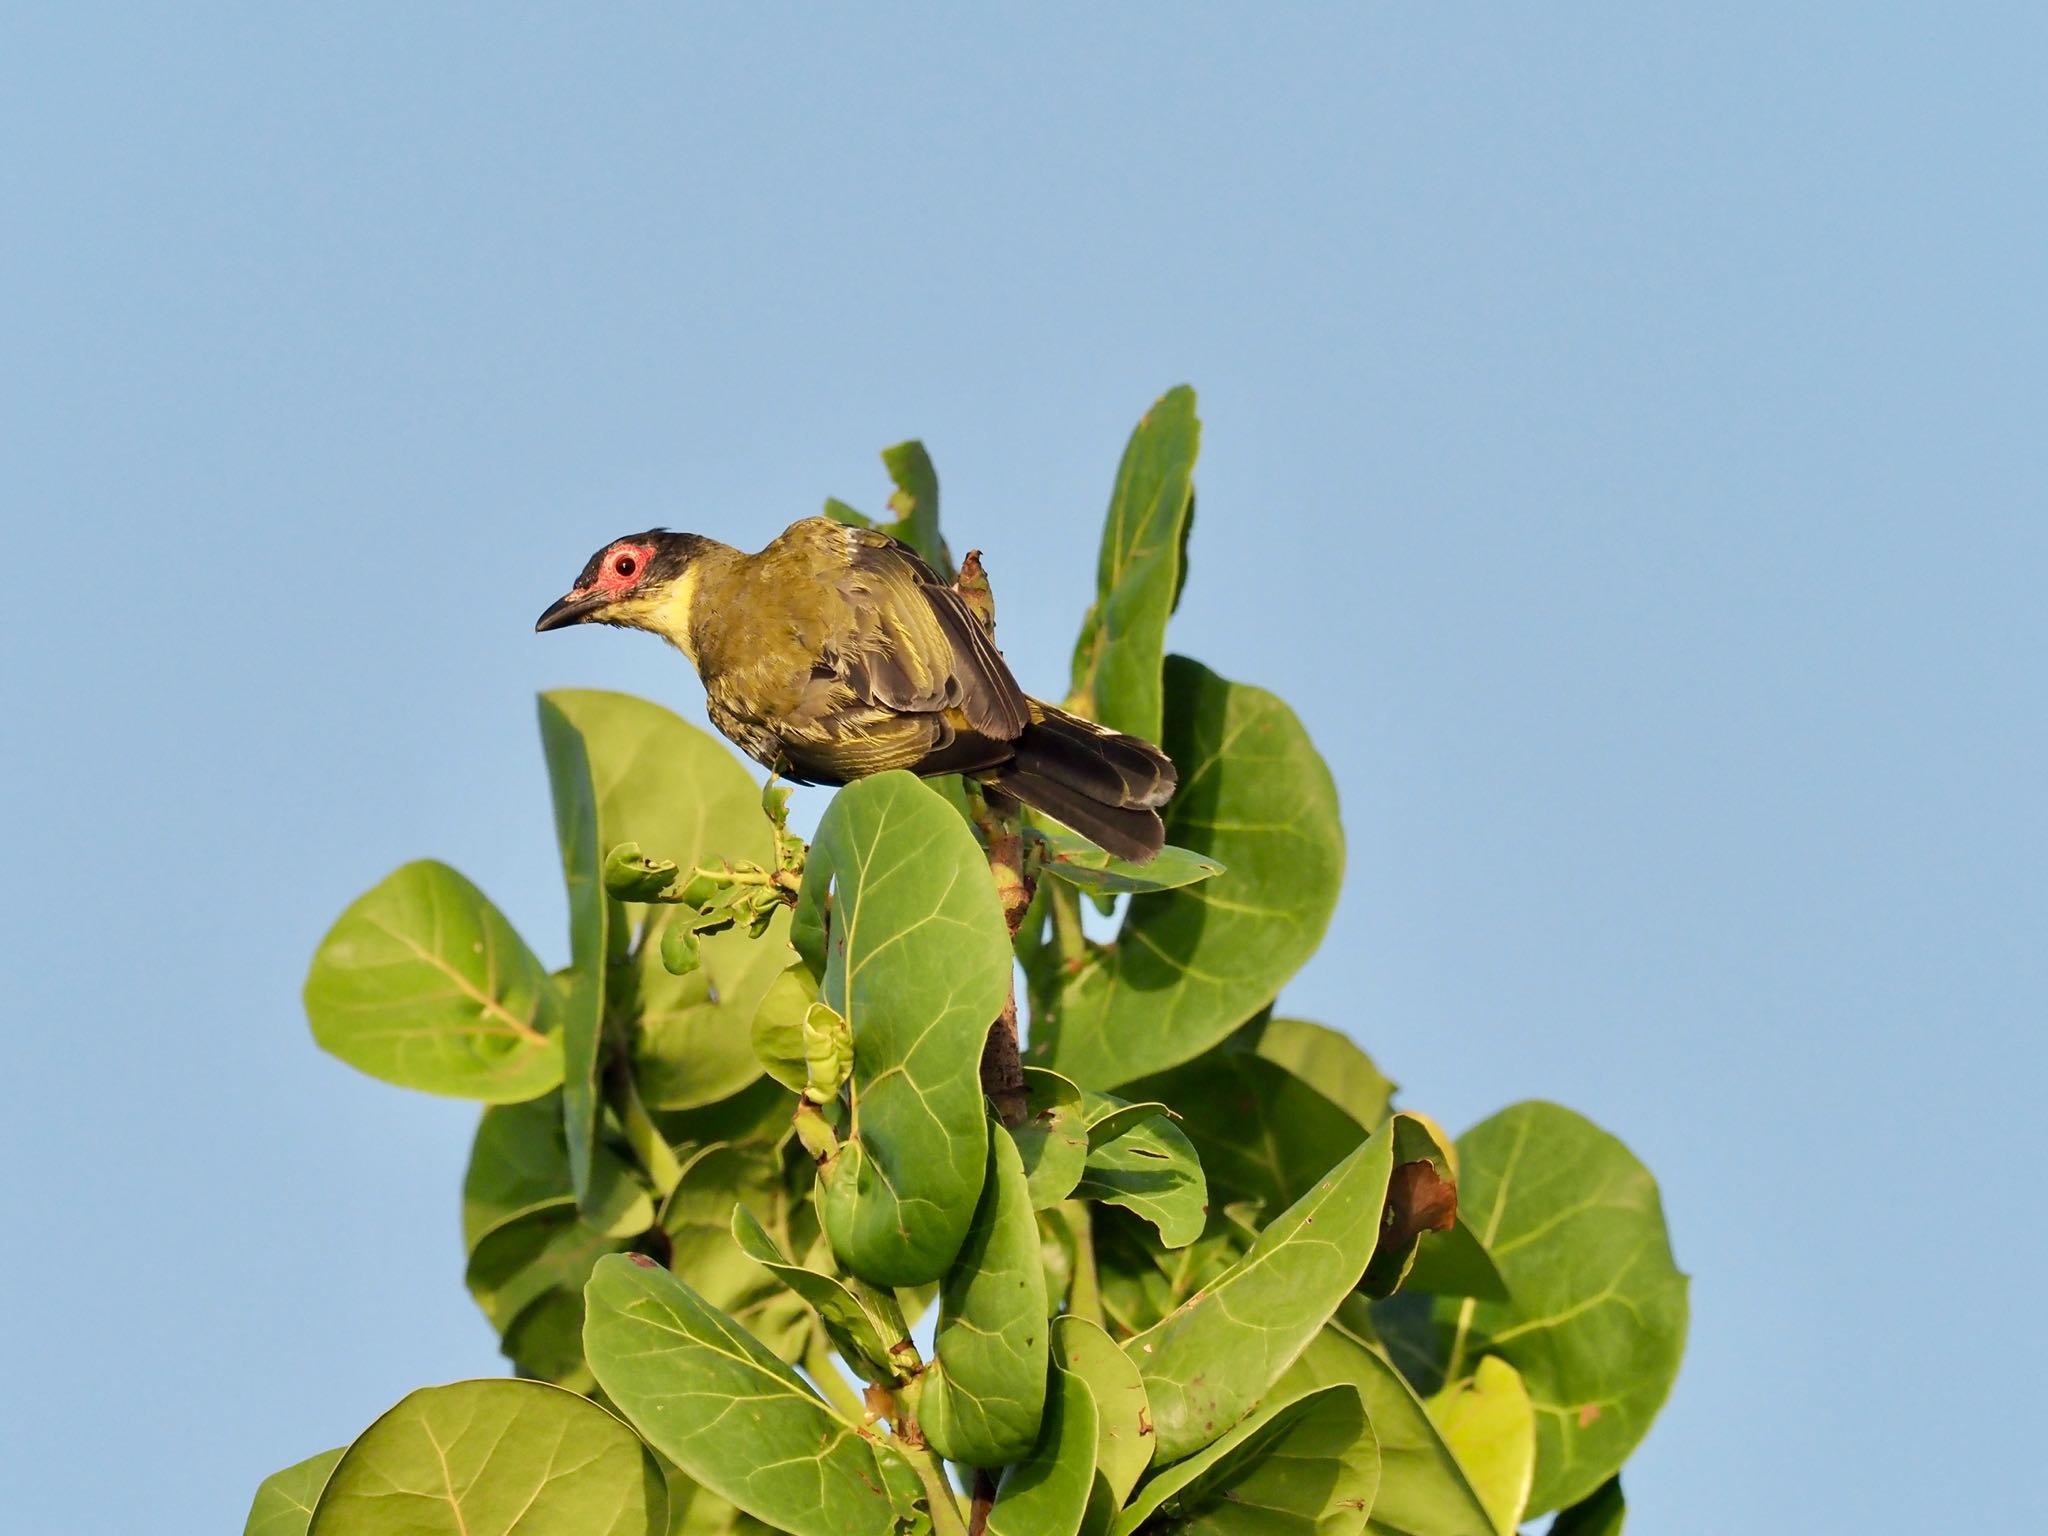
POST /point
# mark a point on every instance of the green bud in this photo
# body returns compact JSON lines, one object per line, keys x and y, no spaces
{"x":679,"y":953}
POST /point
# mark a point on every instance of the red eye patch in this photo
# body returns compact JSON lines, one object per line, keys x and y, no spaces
{"x":623,"y":567}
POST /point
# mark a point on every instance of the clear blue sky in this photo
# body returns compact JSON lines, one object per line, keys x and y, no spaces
{"x":1624,"y":446}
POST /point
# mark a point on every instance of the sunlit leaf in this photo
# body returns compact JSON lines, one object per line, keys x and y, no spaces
{"x":1053,"y":1138}
{"x":1072,"y":858}
{"x":1046,"y":1493}
{"x":1488,"y":1423}
{"x":1423,"y":1490}
{"x":1597,"y":1319}
{"x":423,"y":983}
{"x":713,"y":1400}
{"x":1149,"y":1168}
{"x":683,"y":796}
{"x":915,"y":956}
{"x":1123,"y":638}
{"x":576,"y":831}
{"x":1123,"y":1440}
{"x":484,"y":1456}
{"x":981,"y":1400}
{"x":1206,"y":1364}
{"x":1191,"y":965}
{"x":284,"y":1500}
{"x":858,"y":1333}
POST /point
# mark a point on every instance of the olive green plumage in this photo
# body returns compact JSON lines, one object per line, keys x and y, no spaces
{"x":836,"y":652}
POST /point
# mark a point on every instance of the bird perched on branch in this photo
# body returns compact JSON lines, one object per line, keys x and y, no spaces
{"x":836,"y":652}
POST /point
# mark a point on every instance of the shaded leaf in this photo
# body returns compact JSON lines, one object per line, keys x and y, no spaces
{"x":1109,"y":1118}
{"x":1189,"y":966}
{"x":1597,"y":1319}
{"x":1150,"y":1169}
{"x":1053,"y":1138}
{"x":1600,"y":1513}
{"x":737,"y":1420}
{"x":980,"y":1401}
{"x":1123,"y":639}
{"x":527,"y":1274}
{"x":915,"y":956}
{"x":423,"y":983}
{"x":1205,"y":1365}
{"x":1455,"y":1263}
{"x":1046,"y":1494}
{"x":1329,"y":1062}
{"x":1310,"y":1466}
{"x":1487,"y":1422}
{"x":520,"y":1160}
{"x":1072,"y":858}
{"x":284,"y":1500}
{"x":484,"y":1456}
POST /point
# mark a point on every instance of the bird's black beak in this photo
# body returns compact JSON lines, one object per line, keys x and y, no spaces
{"x":573,"y":609}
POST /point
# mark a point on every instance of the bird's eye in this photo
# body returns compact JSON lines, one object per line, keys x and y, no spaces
{"x":625,"y":565}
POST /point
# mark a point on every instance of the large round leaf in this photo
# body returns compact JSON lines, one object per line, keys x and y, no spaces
{"x":483,"y":1458}
{"x":423,"y":983}
{"x":1191,"y":965}
{"x":284,"y":1501}
{"x":899,"y":921}
{"x":1597,"y":1319}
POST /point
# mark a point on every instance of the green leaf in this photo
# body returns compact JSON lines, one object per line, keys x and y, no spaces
{"x":423,"y":983}
{"x":1046,"y":1494}
{"x":1149,"y":1168}
{"x":980,"y":1401}
{"x":577,"y":831}
{"x":916,"y":958}
{"x":1423,"y":1489}
{"x":867,"y":1340}
{"x":712,"y":1399}
{"x":484,"y":1456}
{"x":1261,"y":1132}
{"x":1110,"y":1117}
{"x":527,"y":1274}
{"x":1329,"y":1062}
{"x":1422,"y":1202}
{"x":1205,"y":1365}
{"x":778,"y":1031}
{"x":1310,"y":1466}
{"x":1123,"y":1422}
{"x":520,"y":1161}
{"x":1597,"y":1321}
{"x":1490,"y":1427}
{"x":1123,"y":639}
{"x":1072,"y":858}
{"x":717,"y":1182}
{"x":1053,"y":1139}
{"x":916,"y":504}
{"x":1456,"y":1263}
{"x":284,"y":1500}
{"x":682,"y":795}
{"x":1189,"y":966}
{"x":1600,"y":1513}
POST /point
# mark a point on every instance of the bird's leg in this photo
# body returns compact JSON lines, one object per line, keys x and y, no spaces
{"x":1002,"y":1068}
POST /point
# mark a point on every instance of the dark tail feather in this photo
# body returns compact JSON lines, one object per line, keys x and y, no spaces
{"x":1103,"y":784}
{"x":1129,"y":832}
